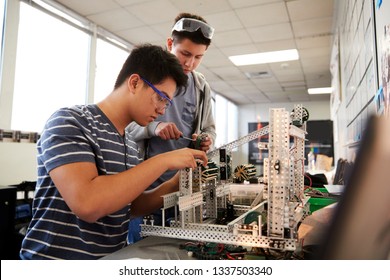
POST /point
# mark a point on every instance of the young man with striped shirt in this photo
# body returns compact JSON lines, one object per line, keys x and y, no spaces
{"x":191,"y":114}
{"x":91,"y":176}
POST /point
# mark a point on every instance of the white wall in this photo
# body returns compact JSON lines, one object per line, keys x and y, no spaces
{"x":18,"y":163}
{"x":318,"y":110}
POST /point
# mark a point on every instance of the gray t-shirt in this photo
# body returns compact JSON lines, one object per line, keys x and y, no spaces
{"x":182,"y":113}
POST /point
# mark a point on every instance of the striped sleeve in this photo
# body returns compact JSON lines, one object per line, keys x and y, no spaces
{"x":77,"y":134}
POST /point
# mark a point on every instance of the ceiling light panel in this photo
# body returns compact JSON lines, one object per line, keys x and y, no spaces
{"x":265,"y":57}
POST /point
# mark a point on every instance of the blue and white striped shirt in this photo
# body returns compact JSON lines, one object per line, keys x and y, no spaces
{"x":77,"y":134}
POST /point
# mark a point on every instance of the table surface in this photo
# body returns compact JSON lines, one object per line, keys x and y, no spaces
{"x":152,"y":248}
{"x":310,"y":232}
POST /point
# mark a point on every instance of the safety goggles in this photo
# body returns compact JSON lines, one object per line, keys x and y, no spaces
{"x":192,"y":25}
{"x":162,"y":101}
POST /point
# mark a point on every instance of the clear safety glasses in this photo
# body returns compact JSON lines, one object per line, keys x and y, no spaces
{"x":192,"y":25}
{"x":162,"y":100}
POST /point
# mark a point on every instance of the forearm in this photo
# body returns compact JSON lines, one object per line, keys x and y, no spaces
{"x":154,"y":198}
{"x":141,"y":132}
{"x":93,"y":196}
{"x":129,"y":185}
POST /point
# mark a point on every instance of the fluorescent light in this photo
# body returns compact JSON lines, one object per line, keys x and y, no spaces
{"x":265,"y":57}
{"x":325,"y":90}
{"x":63,"y":12}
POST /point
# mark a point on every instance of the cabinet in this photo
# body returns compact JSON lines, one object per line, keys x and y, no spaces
{"x":15,"y":215}
{"x":320,"y":138}
{"x":7,"y":222}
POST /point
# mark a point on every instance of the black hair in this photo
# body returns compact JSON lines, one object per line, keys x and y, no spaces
{"x":154,"y":64}
{"x":197,"y":37}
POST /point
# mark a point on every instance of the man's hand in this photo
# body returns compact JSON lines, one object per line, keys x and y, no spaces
{"x":185,"y":157}
{"x":167,"y":131}
{"x":205,"y":143}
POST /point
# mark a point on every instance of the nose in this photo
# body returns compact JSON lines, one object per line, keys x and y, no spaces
{"x":160,"y":110}
{"x":189,"y":62}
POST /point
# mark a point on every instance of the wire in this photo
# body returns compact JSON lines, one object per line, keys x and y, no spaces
{"x":310,"y":184}
{"x":229,"y":256}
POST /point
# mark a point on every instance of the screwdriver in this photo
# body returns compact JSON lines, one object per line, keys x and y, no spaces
{"x":197,"y":142}
{"x":181,"y":136}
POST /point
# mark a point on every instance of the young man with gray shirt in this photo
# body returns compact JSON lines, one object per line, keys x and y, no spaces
{"x":191,"y":113}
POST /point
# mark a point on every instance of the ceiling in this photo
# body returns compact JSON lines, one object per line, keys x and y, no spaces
{"x":241,"y":27}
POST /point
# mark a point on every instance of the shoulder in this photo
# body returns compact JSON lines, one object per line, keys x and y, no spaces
{"x":198,"y":77}
{"x":200,"y":80}
{"x":82,"y":116}
{"x":76,"y":111}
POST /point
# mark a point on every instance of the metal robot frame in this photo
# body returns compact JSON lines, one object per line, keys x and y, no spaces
{"x":282,"y":203}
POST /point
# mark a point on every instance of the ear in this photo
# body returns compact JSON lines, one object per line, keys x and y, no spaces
{"x":133,"y":82}
{"x":169,"y":44}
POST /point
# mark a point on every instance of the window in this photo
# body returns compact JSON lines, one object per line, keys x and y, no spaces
{"x":221,"y":120}
{"x":226,"y":121}
{"x":51,"y":68}
{"x":109,"y":61}
{"x":2,"y":11}
{"x":232,"y":118}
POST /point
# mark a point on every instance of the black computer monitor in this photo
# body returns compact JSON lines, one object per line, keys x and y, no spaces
{"x":360,"y":228}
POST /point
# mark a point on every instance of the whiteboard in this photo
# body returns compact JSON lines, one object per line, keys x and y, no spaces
{"x":382,"y":30}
